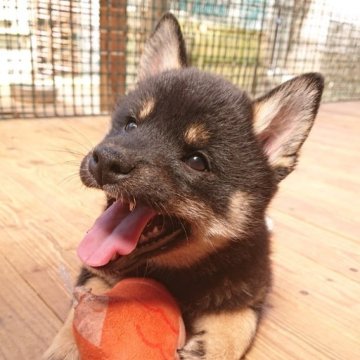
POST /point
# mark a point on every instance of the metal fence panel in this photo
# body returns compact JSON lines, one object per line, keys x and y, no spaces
{"x":71,"y":57}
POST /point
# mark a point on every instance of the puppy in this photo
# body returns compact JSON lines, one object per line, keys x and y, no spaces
{"x":189,"y":167}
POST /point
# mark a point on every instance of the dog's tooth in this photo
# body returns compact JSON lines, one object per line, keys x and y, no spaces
{"x":155,"y":231}
{"x":132,"y":205}
{"x":143,"y":238}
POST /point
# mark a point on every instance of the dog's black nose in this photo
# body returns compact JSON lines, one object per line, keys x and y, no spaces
{"x":109,"y":165}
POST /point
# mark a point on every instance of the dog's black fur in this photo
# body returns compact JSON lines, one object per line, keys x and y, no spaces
{"x":245,"y":148}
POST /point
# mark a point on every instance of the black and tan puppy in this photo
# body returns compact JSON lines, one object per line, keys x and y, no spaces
{"x":189,"y":167}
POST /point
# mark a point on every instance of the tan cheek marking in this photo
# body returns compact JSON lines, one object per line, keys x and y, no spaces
{"x":147,"y":109}
{"x":196,"y":133}
{"x":198,"y":246}
{"x":236,"y":218}
{"x":210,"y":232}
{"x":240,"y":204}
{"x":186,"y":255}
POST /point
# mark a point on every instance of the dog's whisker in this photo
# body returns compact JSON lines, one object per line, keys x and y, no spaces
{"x":82,"y":135}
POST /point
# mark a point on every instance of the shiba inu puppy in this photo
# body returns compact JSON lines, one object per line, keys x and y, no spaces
{"x":189,"y":167}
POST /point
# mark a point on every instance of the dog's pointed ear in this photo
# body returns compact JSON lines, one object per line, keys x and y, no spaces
{"x":283,"y":119}
{"x":165,"y":50}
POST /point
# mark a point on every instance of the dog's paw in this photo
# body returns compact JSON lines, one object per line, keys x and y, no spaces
{"x":221,"y":336}
{"x":195,"y":348}
{"x":63,"y":346}
{"x":61,"y":351}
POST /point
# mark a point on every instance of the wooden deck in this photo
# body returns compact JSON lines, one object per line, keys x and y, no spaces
{"x":314,"y":309}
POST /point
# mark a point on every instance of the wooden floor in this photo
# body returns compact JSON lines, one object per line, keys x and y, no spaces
{"x":314,"y":309}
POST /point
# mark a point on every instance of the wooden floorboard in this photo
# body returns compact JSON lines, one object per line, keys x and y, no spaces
{"x":313,"y":311}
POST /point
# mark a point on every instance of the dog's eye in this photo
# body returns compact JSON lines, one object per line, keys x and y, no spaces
{"x":197,"y":162}
{"x":131,"y":124}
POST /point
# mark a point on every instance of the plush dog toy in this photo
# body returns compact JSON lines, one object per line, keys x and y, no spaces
{"x":138,"y":319}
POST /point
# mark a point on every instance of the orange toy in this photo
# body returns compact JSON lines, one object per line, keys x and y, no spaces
{"x":137,"y":319}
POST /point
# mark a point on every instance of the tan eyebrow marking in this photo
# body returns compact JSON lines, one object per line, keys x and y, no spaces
{"x":196,"y":133}
{"x":147,"y":109}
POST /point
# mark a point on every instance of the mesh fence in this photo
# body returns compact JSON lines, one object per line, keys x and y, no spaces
{"x":68,"y":57}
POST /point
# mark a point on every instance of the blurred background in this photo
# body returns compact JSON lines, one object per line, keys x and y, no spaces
{"x":74,"y":58}
{"x":63,"y":62}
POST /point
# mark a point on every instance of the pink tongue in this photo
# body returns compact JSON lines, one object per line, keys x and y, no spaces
{"x":116,"y":231}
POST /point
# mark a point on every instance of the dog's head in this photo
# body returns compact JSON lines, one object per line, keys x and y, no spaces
{"x":190,"y":162}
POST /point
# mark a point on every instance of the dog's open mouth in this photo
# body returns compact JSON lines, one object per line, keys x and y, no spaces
{"x":123,"y":229}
